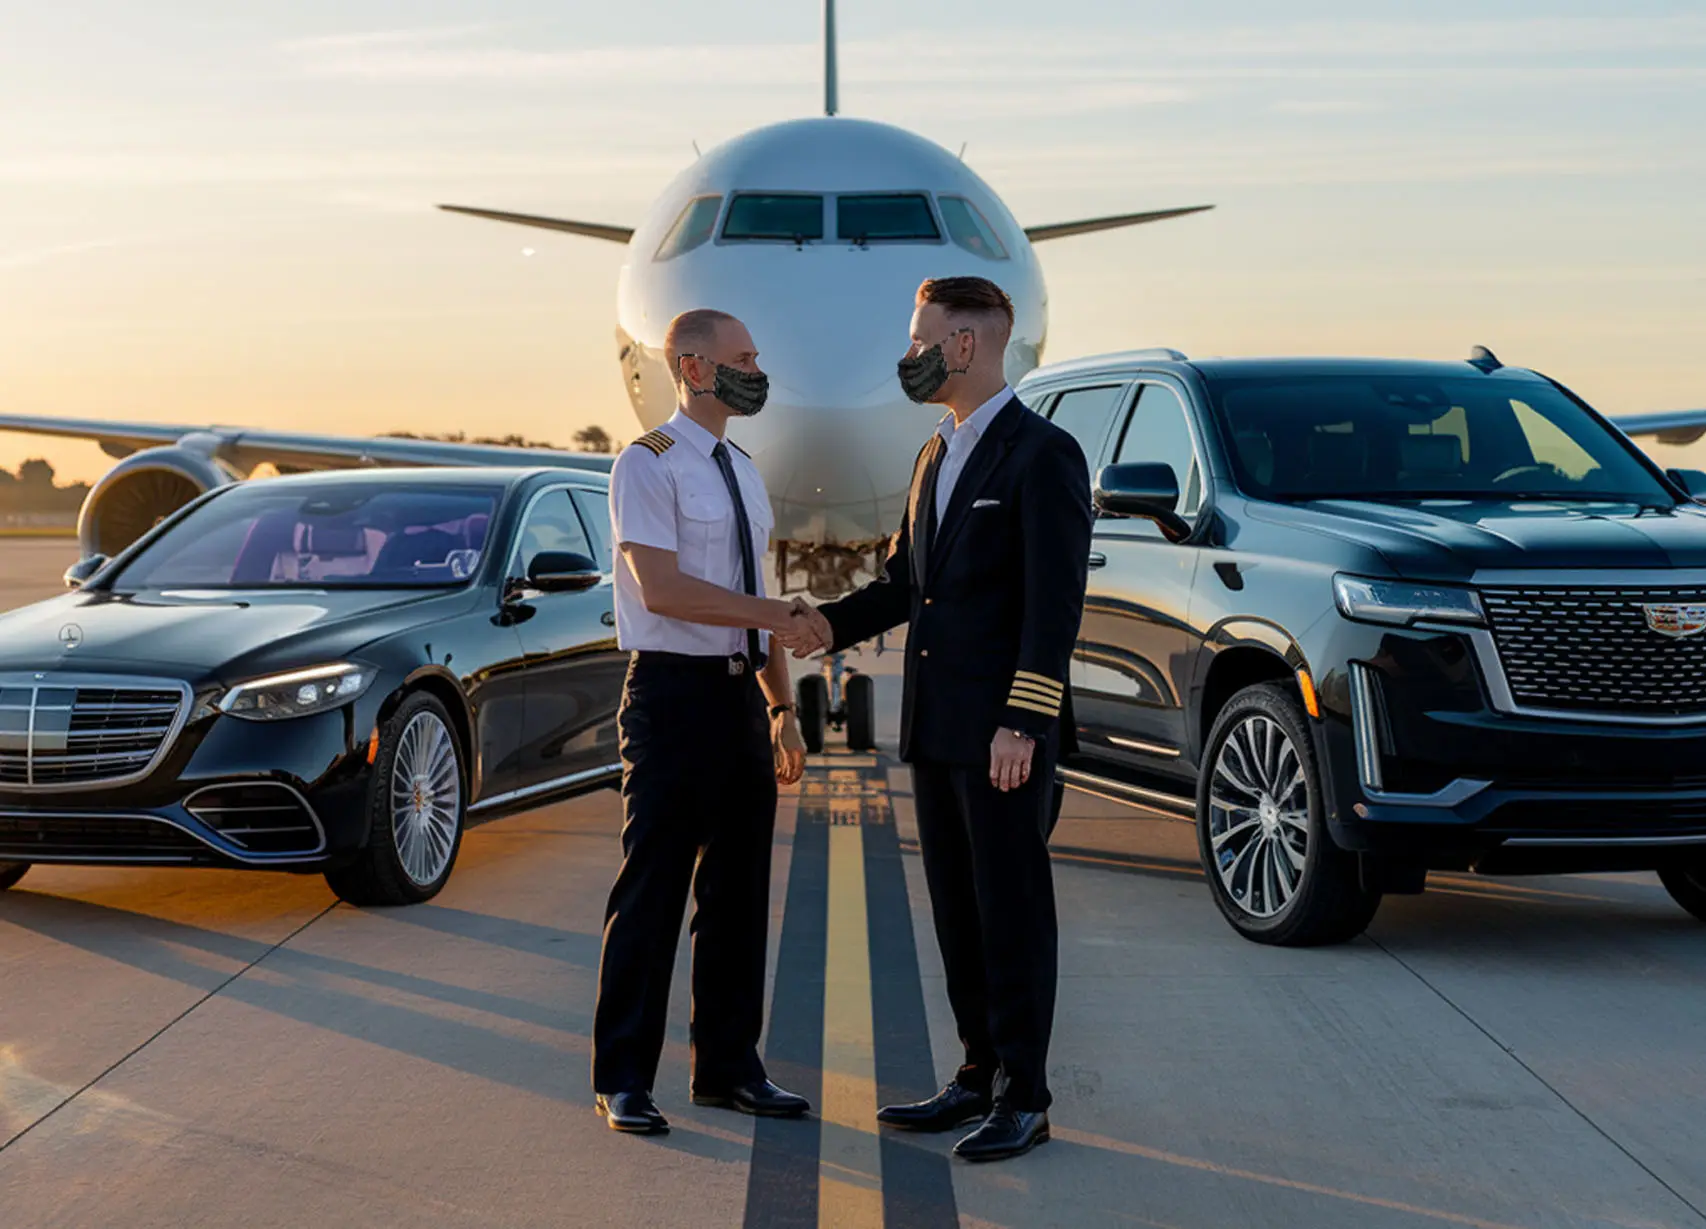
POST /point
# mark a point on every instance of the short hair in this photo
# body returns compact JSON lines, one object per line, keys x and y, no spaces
{"x":691,"y":333}
{"x":968,"y":296}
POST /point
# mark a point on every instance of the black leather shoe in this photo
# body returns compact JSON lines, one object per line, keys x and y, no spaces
{"x":953,"y":1107}
{"x":1006,"y":1132}
{"x":632,"y":1112}
{"x":761,"y":1098}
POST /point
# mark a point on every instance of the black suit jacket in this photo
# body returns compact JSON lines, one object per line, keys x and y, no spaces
{"x":994,"y":599}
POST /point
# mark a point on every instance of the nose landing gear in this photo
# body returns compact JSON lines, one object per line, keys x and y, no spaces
{"x":826,"y":700}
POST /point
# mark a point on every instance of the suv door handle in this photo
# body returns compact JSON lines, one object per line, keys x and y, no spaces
{"x":608,"y":618}
{"x":1098,"y":559}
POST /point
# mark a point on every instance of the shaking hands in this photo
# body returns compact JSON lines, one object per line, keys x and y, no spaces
{"x":806,"y":631}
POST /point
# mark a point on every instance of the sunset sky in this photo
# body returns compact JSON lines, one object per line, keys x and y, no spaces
{"x":223,"y":213}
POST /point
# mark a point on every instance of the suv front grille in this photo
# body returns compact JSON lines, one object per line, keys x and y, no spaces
{"x":56,"y":734}
{"x":1593,"y":651}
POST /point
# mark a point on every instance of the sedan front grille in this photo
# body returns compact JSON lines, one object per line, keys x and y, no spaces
{"x":67,"y":732}
{"x":1593,"y":650}
{"x":262,"y":817}
{"x":26,"y":837}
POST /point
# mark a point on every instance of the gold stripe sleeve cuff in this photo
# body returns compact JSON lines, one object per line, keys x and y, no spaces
{"x":1035,"y":693}
{"x":1037,"y":680}
{"x":1033,"y":706}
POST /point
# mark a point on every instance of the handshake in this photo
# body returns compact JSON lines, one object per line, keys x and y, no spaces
{"x":799,"y":628}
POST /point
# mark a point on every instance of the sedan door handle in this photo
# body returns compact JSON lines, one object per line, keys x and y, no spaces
{"x":1098,"y":559}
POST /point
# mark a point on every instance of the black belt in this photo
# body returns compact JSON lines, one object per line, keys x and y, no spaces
{"x":735,"y":665}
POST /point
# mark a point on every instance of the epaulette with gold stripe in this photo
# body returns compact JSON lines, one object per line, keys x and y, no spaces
{"x":1036,"y":693}
{"x":656,"y":442}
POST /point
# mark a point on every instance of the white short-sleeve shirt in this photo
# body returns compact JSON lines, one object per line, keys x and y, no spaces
{"x":667,"y":492}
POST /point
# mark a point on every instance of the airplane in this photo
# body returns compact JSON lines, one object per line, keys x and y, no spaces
{"x":815,"y":232}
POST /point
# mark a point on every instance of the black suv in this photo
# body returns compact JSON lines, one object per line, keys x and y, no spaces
{"x":1366,"y":619}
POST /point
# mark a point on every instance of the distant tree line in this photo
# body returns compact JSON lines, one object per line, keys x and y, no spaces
{"x":33,"y":490}
{"x":587,"y":439}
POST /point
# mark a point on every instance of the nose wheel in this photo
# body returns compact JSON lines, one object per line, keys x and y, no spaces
{"x":838,"y":699}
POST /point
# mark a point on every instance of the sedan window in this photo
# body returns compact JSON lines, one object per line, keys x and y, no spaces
{"x":789,"y":217}
{"x":279,"y":535}
{"x":889,"y":217}
{"x":552,"y":525}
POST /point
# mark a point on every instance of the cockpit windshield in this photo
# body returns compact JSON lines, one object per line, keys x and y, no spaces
{"x":692,"y":229}
{"x":788,"y":217}
{"x":354,"y":536}
{"x":970,"y":229}
{"x":889,"y":217}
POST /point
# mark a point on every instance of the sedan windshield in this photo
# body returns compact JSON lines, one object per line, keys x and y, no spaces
{"x":357,"y":536}
{"x":1413,"y":437}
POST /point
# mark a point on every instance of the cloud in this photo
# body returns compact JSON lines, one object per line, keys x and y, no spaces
{"x":36,"y":256}
{"x":418,"y":36}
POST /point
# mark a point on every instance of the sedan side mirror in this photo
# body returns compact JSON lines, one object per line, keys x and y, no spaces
{"x":1149,"y":489}
{"x":78,"y":574}
{"x":1692,"y":481}
{"x":554,"y":571}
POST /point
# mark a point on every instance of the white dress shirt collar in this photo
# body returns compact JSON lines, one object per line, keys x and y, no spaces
{"x":692,"y":433}
{"x":979,"y":420}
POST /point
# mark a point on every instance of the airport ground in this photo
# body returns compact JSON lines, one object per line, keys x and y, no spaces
{"x":184,"y":1048}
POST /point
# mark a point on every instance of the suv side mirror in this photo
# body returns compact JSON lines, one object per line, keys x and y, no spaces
{"x":1692,"y":481}
{"x":78,"y":574}
{"x":1148,"y":489}
{"x":555,"y":571}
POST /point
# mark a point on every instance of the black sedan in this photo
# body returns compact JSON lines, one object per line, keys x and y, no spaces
{"x":328,"y":672}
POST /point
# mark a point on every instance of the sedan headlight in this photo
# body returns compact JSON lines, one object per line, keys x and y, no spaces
{"x":1391,"y":601}
{"x":298,"y":693}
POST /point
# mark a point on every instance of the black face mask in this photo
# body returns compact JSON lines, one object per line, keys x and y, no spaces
{"x":922,"y":375}
{"x":744,"y":392}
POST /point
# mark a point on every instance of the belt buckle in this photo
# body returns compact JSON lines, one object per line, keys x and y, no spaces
{"x":737,"y":665}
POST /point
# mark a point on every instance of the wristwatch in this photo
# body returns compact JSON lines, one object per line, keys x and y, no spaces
{"x":776,"y":710}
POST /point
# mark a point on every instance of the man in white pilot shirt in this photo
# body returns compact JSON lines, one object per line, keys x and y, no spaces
{"x":701,"y":758}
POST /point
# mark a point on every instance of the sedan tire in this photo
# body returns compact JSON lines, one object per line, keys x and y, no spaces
{"x":1261,"y":829}
{"x":11,"y":872}
{"x":417,"y":804}
{"x":1686,"y":884}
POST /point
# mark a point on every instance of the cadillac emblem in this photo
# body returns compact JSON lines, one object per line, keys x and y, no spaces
{"x":71,"y":635}
{"x":1676,"y":621}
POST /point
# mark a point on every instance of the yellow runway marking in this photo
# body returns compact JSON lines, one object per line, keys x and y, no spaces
{"x":850,"y":1180}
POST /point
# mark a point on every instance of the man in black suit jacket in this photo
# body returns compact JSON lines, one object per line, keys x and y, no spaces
{"x":988,"y":568}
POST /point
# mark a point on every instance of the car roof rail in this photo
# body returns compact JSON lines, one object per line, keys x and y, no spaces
{"x":1162,"y":352}
{"x":1485,"y":359}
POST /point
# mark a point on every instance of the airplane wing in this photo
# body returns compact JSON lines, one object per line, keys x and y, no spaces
{"x":1669,"y":426}
{"x":591,"y":230}
{"x":1062,"y":230}
{"x":244,"y":448}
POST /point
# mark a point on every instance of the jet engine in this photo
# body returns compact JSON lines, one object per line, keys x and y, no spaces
{"x":144,"y":489}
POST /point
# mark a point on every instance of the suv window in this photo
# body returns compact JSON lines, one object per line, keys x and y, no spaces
{"x":1083,"y":413}
{"x":1159,"y":429}
{"x":552,"y":525}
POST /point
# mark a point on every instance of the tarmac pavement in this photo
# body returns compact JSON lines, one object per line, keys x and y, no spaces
{"x":197,"y":1048}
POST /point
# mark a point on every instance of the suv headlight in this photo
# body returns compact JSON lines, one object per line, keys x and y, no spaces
{"x":1391,"y":601}
{"x":298,"y":693}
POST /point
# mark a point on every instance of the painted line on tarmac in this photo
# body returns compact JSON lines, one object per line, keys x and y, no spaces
{"x":782,"y":1185}
{"x":848,"y":1026}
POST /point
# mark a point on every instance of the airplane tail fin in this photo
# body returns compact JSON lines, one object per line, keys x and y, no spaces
{"x":831,"y":73}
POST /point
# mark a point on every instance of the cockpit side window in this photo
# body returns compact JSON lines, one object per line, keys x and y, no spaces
{"x":695,"y":225}
{"x":788,"y":217}
{"x":887,"y":217}
{"x":970,"y":229}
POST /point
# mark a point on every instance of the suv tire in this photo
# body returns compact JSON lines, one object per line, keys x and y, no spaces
{"x":1686,"y":883}
{"x":11,"y":872}
{"x":1273,"y":868}
{"x":417,"y":802}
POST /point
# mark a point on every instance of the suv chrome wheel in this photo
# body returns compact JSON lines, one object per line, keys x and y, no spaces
{"x":426,"y":798}
{"x":1259,"y":816}
{"x":1271,"y":863}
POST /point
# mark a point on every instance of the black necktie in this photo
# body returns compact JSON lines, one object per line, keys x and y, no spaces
{"x":925,"y":522}
{"x":743,"y":528}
